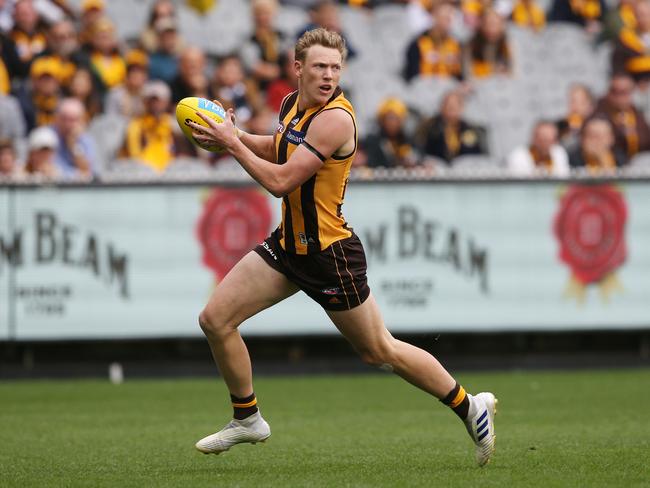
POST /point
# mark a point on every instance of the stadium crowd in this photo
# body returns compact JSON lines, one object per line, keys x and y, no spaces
{"x":77,"y":99}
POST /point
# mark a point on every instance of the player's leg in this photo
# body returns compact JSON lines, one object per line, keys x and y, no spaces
{"x":250,"y":287}
{"x":364,"y":328}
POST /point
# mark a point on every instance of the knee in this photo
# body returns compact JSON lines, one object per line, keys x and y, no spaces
{"x":381,"y":355}
{"x":214,"y":325}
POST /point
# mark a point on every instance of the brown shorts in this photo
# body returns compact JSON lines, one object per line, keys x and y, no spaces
{"x":335,"y":277}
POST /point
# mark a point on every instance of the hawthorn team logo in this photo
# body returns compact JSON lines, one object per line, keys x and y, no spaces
{"x":590,"y":228}
{"x":233,"y":222}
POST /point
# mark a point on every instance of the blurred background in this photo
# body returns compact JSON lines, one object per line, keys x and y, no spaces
{"x":501,"y":187}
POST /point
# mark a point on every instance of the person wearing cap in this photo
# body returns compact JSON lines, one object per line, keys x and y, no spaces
{"x":126,"y":99}
{"x":39,"y":98}
{"x":447,"y":135}
{"x":163,"y":63}
{"x":151,"y":137}
{"x":42,"y":145}
{"x":9,"y":167}
{"x":105,"y":58}
{"x":389,"y":145}
{"x":76,"y":155}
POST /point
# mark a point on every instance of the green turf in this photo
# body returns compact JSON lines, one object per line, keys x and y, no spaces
{"x":576,"y":429}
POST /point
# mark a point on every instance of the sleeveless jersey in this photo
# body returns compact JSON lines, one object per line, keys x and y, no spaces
{"x":311,"y":214}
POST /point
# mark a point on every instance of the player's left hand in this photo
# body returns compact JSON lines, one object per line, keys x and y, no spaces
{"x":220,"y":134}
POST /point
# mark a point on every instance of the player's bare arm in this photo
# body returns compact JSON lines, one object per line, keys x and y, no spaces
{"x":331,"y":132}
{"x":261,"y":146}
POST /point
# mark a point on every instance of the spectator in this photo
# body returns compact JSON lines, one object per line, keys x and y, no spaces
{"x":12,"y":122}
{"x":63,"y":48}
{"x":581,"y":106}
{"x":42,"y":146}
{"x":597,"y":152}
{"x":631,"y":49}
{"x":585,"y":13}
{"x":624,"y":16}
{"x":631,"y":131}
{"x":150,"y":138}
{"x":447,"y":136}
{"x":76,"y":155}
{"x":39,"y":99}
{"x":126,"y":99}
{"x":9,"y":167}
{"x":435,"y":52}
{"x":191,"y":80}
{"x":10,"y":65}
{"x":91,"y":12}
{"x":543,"y":156}
{"x":27,"y":32}
{"x":529,"y":15}
{"x":389,"y":145}
{"x":233,"y":90}
{"x":488,"y":53}
{"x":83,"y":88}
{"x":163,"y":63}
{"x":160,"y":9}
{"x":474,"y":10}
{"x":263,"y":52}
{"x":105,"y":58}
{"x":287,"y":83}
{"x":325,"y":13}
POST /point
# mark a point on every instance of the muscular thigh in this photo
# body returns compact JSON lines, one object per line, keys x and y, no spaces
{"x":250,"y":287}
{"x":362,"y":326}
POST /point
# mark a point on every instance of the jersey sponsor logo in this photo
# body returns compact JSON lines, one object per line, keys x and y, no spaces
{"x":266,"y":246}
{"x":590,"y":229}
{"x":280,"y":128}
{"x":295,"y":136}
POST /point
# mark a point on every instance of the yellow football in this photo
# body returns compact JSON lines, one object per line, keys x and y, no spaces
{"x":186,"y":112}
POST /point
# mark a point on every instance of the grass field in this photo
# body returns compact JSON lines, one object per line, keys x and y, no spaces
{"x":568,"y":429}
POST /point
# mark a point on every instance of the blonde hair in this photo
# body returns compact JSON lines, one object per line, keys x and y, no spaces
{"x":320,"y":37}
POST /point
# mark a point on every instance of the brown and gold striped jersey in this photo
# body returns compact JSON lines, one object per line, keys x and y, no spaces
{"x":311,"y":214}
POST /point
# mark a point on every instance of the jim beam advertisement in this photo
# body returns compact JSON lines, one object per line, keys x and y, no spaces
{"x":45,"y":239}
{"x":409,"y":236}
{"x":590,"y":229}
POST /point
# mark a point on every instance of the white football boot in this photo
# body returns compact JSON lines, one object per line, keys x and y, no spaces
{"x":480,"y":425}
{"x":252,"y":429}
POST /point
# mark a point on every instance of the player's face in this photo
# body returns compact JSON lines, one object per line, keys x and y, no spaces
{"x":319,"y":74}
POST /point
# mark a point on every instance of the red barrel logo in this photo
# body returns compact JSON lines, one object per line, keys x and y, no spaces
{"x":232,"y":223}
{"x":590,"y":228}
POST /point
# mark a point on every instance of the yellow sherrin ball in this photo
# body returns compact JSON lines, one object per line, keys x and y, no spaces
{"x":186,"y":112}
